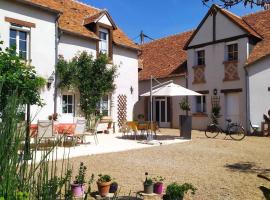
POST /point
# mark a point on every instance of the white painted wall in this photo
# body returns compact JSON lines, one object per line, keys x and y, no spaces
{"x":42,"y":46}
{"x":127,"y":68}
{"x":104,"y":19}
{"x":205,"y":33}
{"x":258,"y":84}
{"x":226,"y":28}
{"x":214,"y":74}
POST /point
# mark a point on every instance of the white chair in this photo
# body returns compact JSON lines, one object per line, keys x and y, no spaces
{"x":93,"y":131}
{"x":45,"y":130}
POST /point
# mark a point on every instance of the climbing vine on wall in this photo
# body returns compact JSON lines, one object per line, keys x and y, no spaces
{"x":93,"y":78}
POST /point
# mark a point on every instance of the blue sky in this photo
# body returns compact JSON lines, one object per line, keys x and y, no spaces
{"x":158,"y":18}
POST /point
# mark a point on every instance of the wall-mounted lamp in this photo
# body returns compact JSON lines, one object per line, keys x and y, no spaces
{"x":131,"y":90}
{"x":215,"y":91}
{"x":50,"y":80}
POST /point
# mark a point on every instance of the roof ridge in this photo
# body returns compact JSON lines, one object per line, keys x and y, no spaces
{"x":166,"y":37}
{"x":85,"y":4}
{"x":255,"y":13}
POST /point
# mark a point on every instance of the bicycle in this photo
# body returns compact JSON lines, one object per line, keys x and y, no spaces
{"x":234,"y":130}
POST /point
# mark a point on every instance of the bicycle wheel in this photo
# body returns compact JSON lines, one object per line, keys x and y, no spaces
{"x":237,"y":132}
{"x":211,"y":131}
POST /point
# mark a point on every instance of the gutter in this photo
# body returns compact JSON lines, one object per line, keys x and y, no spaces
{"x":247,"y":100}
{"x":57,"y":39}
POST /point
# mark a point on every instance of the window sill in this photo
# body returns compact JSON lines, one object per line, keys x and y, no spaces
{"x":199,"y":114}
{"x":198,"y":66}
{"x":230,"y":61}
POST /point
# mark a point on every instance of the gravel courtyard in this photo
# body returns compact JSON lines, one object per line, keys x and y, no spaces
{"x":221,"y":169}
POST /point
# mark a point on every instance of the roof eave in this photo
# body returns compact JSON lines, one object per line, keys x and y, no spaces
{"x":26,"y":2}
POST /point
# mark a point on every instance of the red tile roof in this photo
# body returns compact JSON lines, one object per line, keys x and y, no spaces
{"x":260,"y":22}
{"x":164,"y":57}
{"x":72,"y":19}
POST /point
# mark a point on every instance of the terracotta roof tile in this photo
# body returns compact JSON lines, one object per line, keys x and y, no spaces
{"x":164,"y":57}
{"x":260,"y":22}
{"x":73,"y":16}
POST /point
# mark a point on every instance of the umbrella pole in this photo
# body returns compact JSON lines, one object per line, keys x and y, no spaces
{"x":151,"y":105}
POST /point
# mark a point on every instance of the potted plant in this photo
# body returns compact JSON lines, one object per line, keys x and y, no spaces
{"x":104,"y":183}
{"x":185,"y":121}
{"x":53,"y":117}
{"x":176,"y":191}
{"x":148,"y":184}
{"x":158,"y":186}
{"x":113,"y":187}
{"x":78,"y":186}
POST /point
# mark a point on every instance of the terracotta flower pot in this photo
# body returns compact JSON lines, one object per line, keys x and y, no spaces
{"x":104,"y":188}
{"x":77,"y":190}
{"x":158,"y":188}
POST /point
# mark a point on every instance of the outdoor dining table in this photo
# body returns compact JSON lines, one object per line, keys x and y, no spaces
{"x":59,"y":128}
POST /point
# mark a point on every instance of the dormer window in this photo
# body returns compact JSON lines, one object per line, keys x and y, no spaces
{"x":104,"y":41}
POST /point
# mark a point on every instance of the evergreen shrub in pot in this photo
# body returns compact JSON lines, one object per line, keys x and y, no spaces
{"x":78,"y":186}
{"x":185,"y":121}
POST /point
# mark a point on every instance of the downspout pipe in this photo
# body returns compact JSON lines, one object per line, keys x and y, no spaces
{"x":247,"y":100}
{"x":57,"y":39}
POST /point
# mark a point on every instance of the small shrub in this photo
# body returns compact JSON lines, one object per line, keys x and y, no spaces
{"x":176,"y":191}
{"x":104,"y":178}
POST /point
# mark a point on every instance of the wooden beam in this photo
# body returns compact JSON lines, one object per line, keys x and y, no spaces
{"x":231,"y":90}
{"x":20,"y":22}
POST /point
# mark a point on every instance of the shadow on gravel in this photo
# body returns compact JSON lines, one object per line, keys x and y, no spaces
{"x":246,"y":167}
{"x":266,"y":192}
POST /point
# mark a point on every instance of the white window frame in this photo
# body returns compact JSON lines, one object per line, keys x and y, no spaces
{"x":100,"y":109}
{"x":27,"y":31}
{"x":73,"y":104}
{"x":227,"y":50}
{"x":202,"y":110}
{"x":106,"y":51}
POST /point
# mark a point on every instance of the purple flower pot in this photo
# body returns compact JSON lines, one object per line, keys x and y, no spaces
{"x":158,"y":188}
{"x":77,"y":190}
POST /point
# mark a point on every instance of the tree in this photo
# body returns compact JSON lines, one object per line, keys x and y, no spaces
{"x":230,"y":3}
{"x":93,"y":78}
{"x":17,"y":77}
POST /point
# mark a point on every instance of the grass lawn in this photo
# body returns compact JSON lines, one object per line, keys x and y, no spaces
{"x":221,"y":169}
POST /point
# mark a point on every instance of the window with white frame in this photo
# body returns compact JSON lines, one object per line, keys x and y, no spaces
{"x":200,"y":102}
{"x":104,"y":41}
{"x":19,"y":40}
{"x":103,"y":106}
{"x":232,"y":52}
{"x":201,"y":57}
{"x":68,"y":104}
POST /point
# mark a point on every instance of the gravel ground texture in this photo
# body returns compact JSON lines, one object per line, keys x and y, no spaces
{"x":221,"y":169}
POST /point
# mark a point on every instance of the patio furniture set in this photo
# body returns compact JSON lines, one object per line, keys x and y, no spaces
{"x":146,"y":129}
{"x":50,"y":130}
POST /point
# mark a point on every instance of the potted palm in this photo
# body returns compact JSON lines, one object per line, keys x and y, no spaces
{"x":185,"y":121}
{"x":176,"y":191}
{"x":148,"y":184}
{"x":104,"y":183}
{"x":78,"y":186}
{"x":158,"y":186}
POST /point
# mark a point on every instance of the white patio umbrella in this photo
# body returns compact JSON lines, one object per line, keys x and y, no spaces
{"x":171,"y":90}
{"x":167,"y":89}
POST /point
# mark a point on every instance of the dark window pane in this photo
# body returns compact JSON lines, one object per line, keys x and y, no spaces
{"x":163,"y":111}
{"x":103,"y":35}
{"x":70,"y":109}
{"x":157,"y":111}
{"x":70,"y":99}
{"x":12,"y":42}
{"x":22,"y":35}
{"x":64,"y":99}
{"x":105,"y":113}
{"x":64,"y":109}
{"x":22,"y":45}
{"x":12,"y":33}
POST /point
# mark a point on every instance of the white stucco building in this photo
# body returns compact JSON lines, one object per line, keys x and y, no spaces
{"x":44,"y":30}
{"x":227,"y":60}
